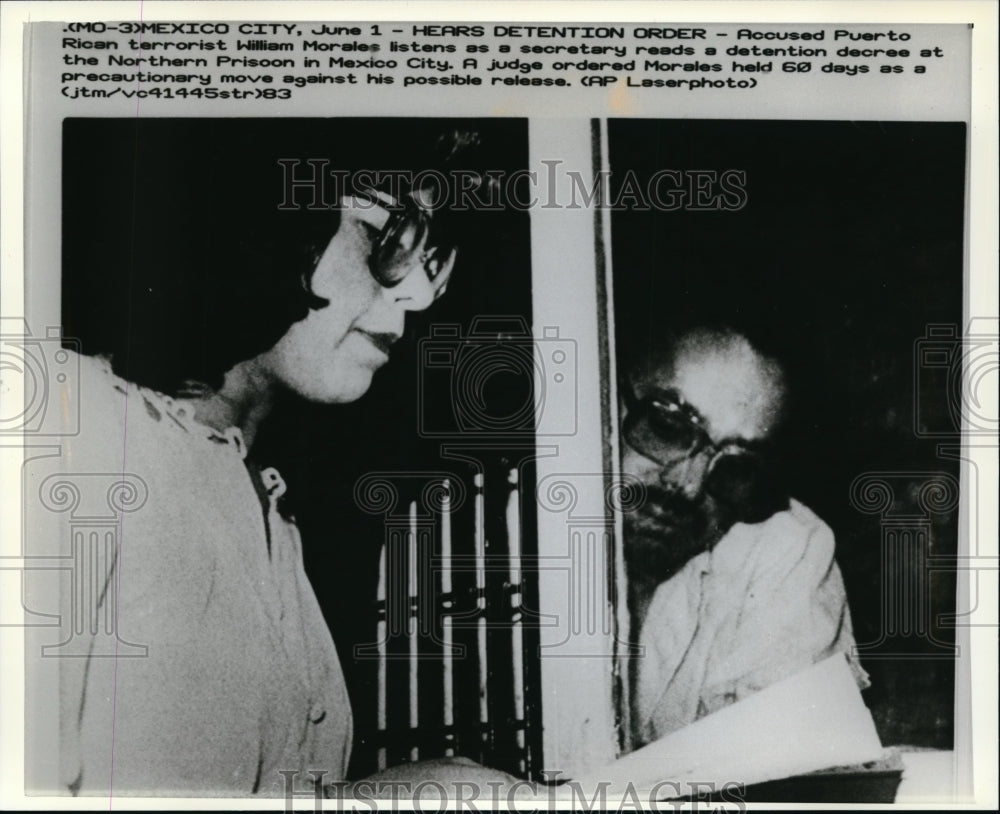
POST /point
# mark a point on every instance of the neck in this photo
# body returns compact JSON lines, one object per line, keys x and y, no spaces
{"x":244,"y":401}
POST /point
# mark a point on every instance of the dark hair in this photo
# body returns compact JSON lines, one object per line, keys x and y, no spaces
{"x":215,"y":269}
{"x":658,"y":359}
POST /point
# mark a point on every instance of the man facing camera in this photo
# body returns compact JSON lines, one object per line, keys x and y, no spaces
{"x":732,"y":584}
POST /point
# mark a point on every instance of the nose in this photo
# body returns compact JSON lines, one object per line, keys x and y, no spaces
{"x":415,"y":292}
{"x":687,"y":476}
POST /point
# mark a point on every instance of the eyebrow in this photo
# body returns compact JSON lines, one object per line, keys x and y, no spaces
{"x":671,"y":394}
{"x":371,"y":202}
{"x":369,"y":215}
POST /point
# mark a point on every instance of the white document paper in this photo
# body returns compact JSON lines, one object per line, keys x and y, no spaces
{"x":813,"y":720}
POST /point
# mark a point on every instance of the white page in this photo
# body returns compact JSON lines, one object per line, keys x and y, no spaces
{"x":58,"y":67}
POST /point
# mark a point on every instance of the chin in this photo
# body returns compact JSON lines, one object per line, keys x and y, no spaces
{"x":353,"y":387}
{"x":341,"y":388}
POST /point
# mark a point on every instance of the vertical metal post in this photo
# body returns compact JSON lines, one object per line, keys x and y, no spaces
{"x":480,"y":562}
{"x":411,"y":630}
{"x":448,"y":678}
{"x":381,"y":635}
{"x":517,"y":632}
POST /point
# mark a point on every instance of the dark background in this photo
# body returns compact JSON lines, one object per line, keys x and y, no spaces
{"x":154,"y":211}
{"x":848,"y":248}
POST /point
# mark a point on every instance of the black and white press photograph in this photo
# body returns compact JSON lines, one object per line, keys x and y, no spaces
{"x":565,"y":406}
{"x":498,"y":413}
{"x":289,"y":498}
{"x":305,"y":392}
{"x":787,"y":303}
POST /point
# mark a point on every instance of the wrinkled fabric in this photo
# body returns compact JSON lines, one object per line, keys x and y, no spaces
{"x":766,"y":602}
{"x":240,"y":679}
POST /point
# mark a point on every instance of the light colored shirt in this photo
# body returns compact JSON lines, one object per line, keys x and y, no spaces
{"x":763,"y":604}
{"x":241,"y":678}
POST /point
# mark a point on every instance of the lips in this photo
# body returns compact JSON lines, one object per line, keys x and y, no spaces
{"x":382,"y":341}
{"x":668,"y":510}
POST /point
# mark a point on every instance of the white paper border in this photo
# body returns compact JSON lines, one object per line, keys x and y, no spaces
{"x":981,"y":297}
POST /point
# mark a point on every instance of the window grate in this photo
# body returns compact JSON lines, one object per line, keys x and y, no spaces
{"x":455,"y":648}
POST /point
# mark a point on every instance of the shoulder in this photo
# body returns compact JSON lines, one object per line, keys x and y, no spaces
{"x":94,"y":379}
{"x":793,"y":539}
{"x":99,"y":390}
{"x":94,"y":407}
{"x":797,"y":525}
{"x":682,"y":589}
{"x":112,"y":416}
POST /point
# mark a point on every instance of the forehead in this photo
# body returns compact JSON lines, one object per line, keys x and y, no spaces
{"x":736,"y":391}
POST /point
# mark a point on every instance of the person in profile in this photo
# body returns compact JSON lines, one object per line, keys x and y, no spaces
{"x":732,"y":583}
{"x":222,"y":676}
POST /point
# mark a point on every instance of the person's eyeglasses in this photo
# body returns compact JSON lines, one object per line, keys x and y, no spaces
{"x":404,"y":242}
{"x":667,"y":430}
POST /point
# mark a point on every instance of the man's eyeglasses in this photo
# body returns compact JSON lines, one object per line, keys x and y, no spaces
{"x":403,"y":242}
{"x":666,"y":429}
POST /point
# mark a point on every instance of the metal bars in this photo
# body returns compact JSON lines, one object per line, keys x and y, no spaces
{"x":451,"y":673}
